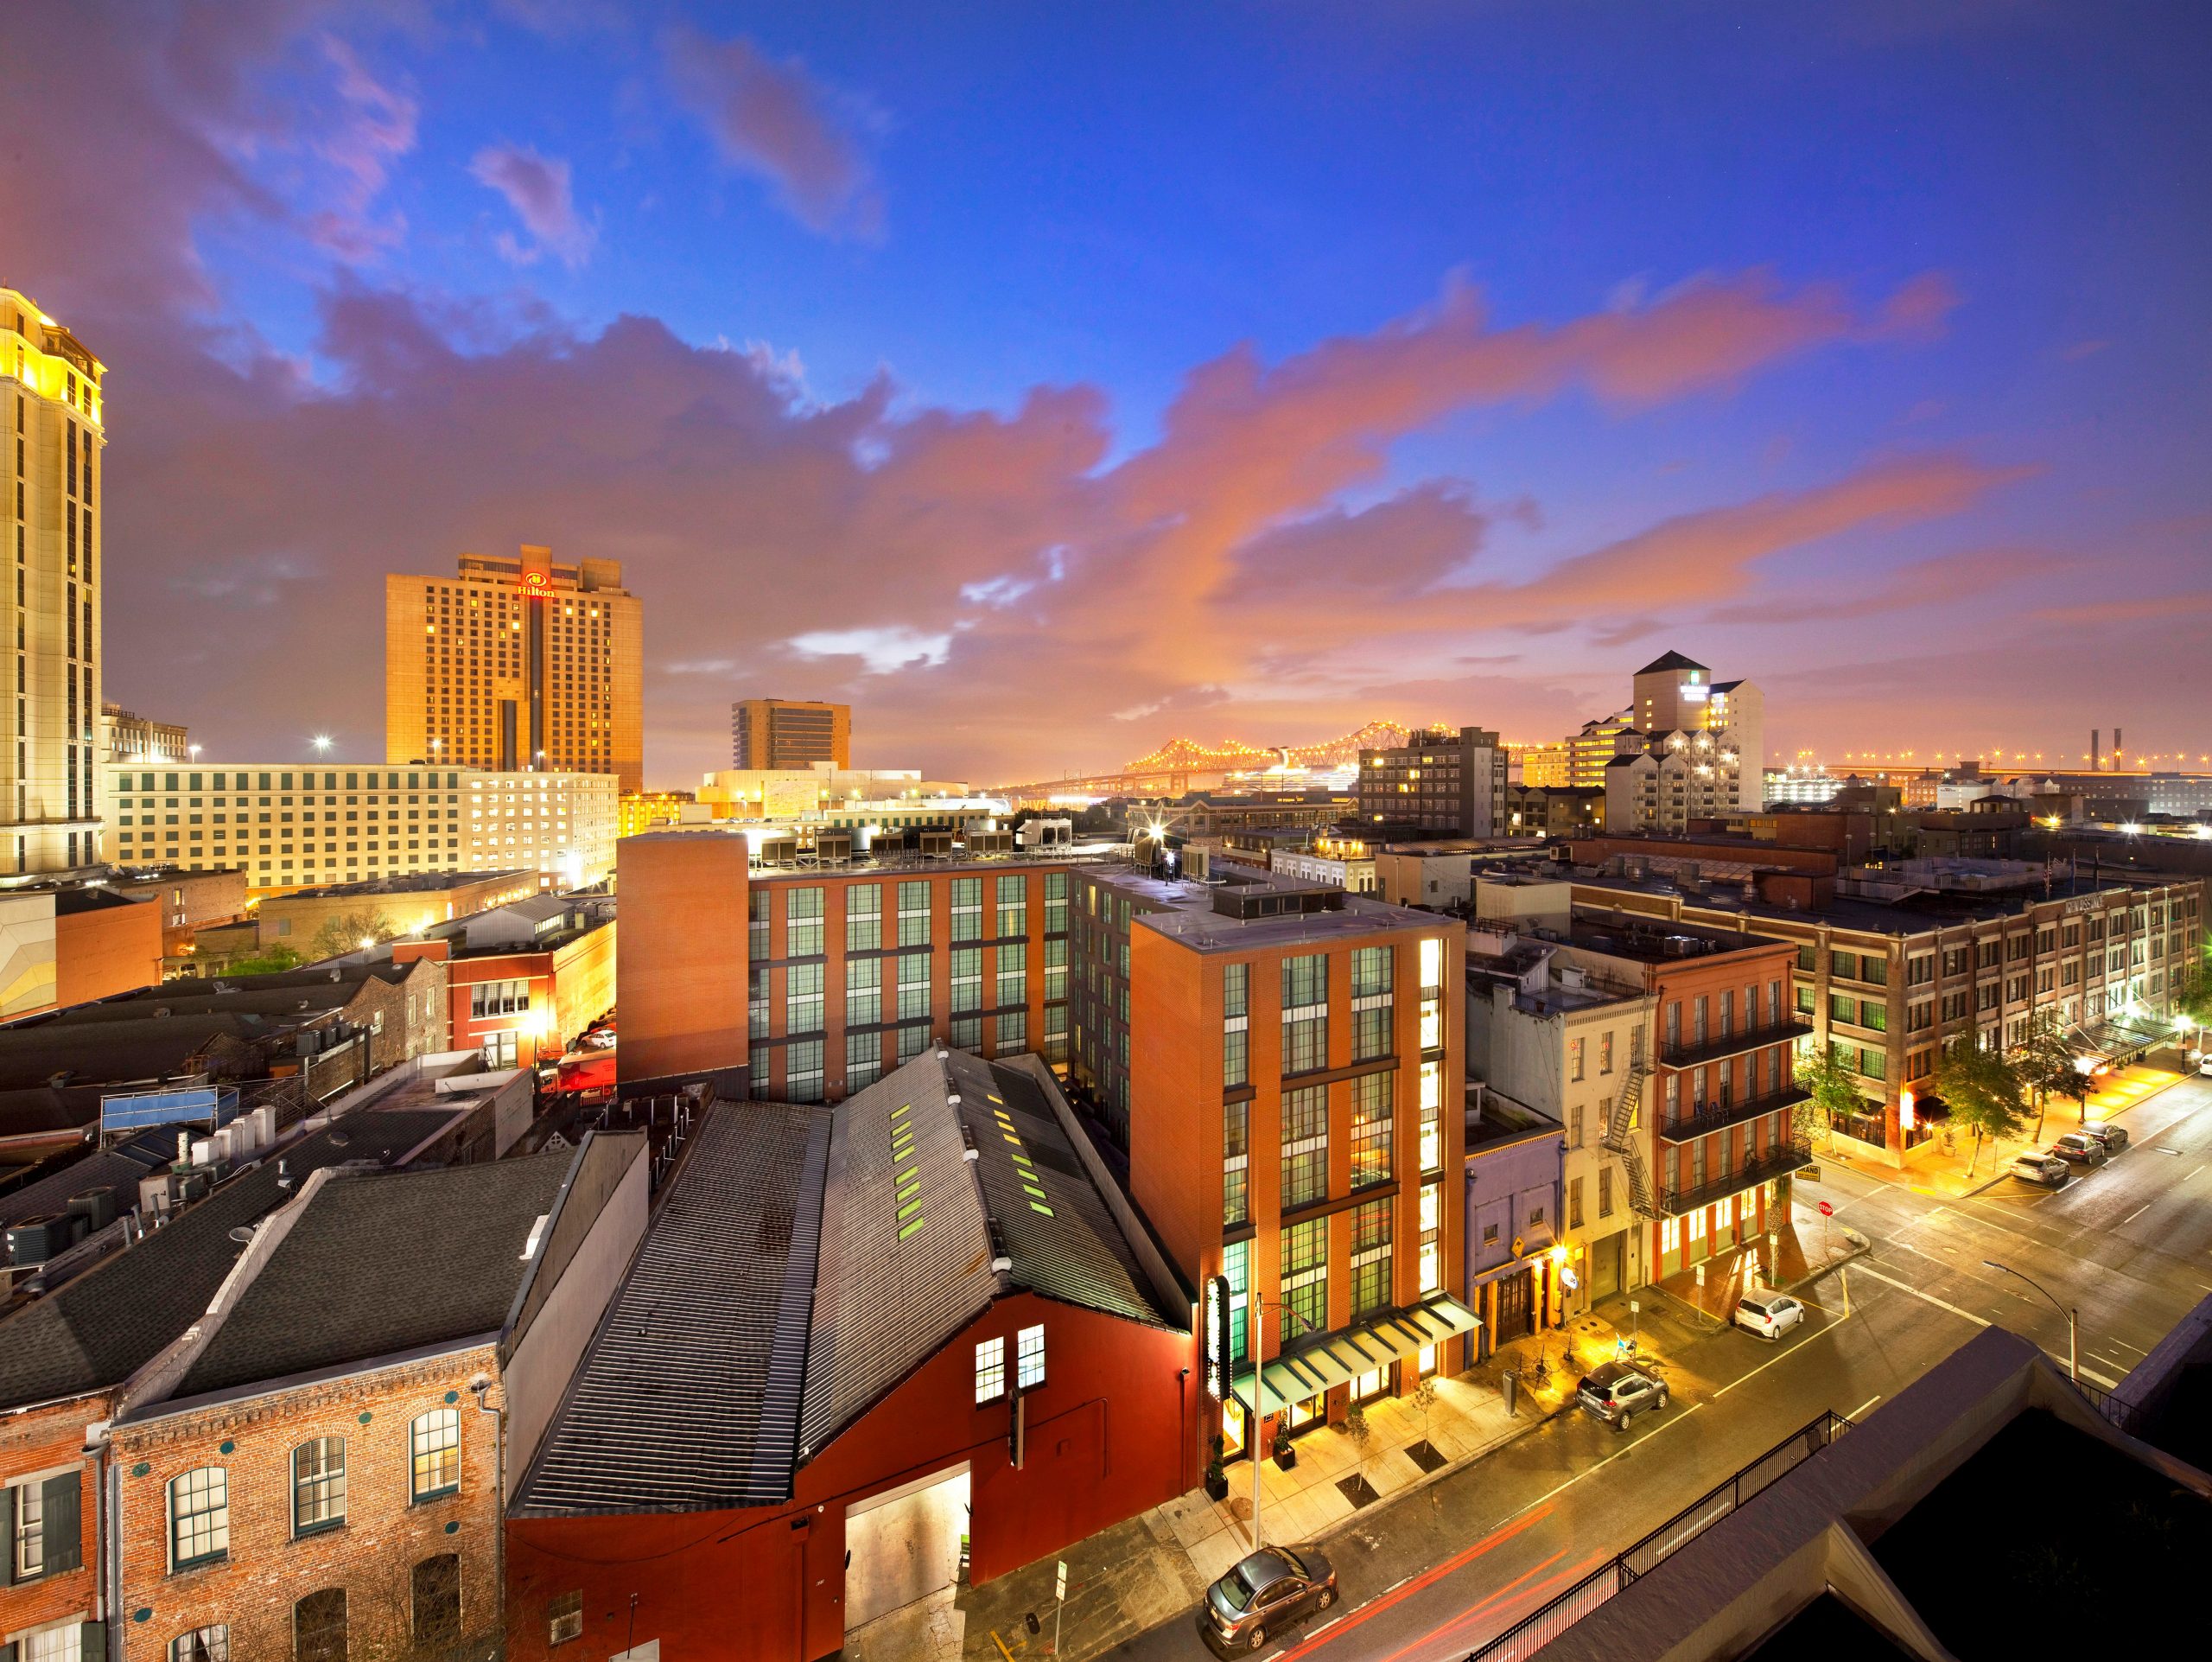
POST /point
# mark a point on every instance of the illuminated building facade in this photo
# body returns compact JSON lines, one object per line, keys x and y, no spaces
{"x":515,"y":664}
{"x":780,"y":733}
{"x":51,"y":403}
{"x":1444,"y":782}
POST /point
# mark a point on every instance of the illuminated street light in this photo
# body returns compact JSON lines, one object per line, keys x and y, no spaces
{"x":194,"y":751}
{"x":323,"y":743}
{"x":2073,"y":1322}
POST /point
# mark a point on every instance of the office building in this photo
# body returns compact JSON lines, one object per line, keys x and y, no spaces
{"x":772,"y":733}
{"x":127,"y":737}
{"x":292,"y":826}
{"x":522,"y":979}
{"x":1441,"y":781}
{"x":514,"y":664}
{"x":51,"y":405}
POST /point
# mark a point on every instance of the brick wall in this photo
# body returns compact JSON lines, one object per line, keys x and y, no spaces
{"x":43,"y":1442}
{"x":269,"y":1568}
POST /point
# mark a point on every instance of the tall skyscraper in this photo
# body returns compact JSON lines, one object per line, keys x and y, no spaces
{"x":789,"y":733}
{"x":516,"y":663}
{"x":49,"y":813}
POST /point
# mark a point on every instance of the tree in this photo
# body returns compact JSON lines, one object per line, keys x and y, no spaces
{"x":1424,"y":1398}
{"x":1356,"y":1428}
{"x":2044,"y":1062}
{"x":270,"y":960}
{"x":2192,"y":997}
{"x":1980,"y":1090}
{"x":347,"y":932}
{"x":1832,"y":1090}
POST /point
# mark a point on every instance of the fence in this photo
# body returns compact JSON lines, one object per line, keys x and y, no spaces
{"x":1537,"y":1629}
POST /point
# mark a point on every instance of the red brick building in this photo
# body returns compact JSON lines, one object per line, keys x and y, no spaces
{"x":523,"y":979}
{"x":853,"y":1334}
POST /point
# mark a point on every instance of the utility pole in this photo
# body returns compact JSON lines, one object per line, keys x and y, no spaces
{"x":2073,"y":1320}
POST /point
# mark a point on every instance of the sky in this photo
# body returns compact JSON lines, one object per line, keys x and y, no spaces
{"x":1047,"y":380}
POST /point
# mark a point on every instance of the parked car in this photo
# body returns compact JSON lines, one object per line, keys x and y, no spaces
{"x":2114,"y":1137}
{"x":1617,"y":1392}
{"x":1262,"y":1594}
{"x":1768,"y":1314}
{"x":2079,"y":1148}
{"x":2039,"y":1166}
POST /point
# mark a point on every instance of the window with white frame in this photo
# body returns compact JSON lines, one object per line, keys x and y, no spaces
{"x":61,"y":1642}
{"x":199,"y":1518}
{"x":1030,"y":1357}
{"x":434,"y":1449}
{"x":990,"y":1370}
{"x":318,"y":1485}
{"x":211,"y":1644}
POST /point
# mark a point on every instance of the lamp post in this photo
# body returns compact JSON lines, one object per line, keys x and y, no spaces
{"x":2073,"y":1319}
{"x":1260,"y":1307}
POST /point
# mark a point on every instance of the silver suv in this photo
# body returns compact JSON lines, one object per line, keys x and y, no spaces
{"x":1617,"y":1392}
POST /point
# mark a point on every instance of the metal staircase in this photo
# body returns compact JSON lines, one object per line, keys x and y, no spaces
{"x":1620,"y":1138}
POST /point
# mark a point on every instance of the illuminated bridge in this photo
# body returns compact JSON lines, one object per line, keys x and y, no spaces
{"x":1183,"y":764}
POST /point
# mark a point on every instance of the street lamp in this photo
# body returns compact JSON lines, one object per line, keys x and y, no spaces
{"x":1260,"y":1307}
{"x":2073,"y":1322}
{"x":323,"y":743}
{"x":195,"y":750}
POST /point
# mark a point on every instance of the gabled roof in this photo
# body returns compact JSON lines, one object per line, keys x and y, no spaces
{"x":102,"y":1328}
{"x":380,"y":1264}
{"x":1671,"y":661}
{"x":121,"y":1167}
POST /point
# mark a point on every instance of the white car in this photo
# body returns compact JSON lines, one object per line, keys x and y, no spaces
{"x":1768,"y":1314}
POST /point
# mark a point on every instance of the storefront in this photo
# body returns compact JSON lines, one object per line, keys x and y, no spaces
{"x":1360,"y":1363}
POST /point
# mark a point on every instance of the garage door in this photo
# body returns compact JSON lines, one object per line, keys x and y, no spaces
{"x":904,"y":1545}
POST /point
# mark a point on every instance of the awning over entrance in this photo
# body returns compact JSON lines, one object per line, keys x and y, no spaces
{"x":1343,"y":1357}
{"x":2120,"y":1039}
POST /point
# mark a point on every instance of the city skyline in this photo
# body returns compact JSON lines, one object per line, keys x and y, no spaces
{"x":1310,"y":371}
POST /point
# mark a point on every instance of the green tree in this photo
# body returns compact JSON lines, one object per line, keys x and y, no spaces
{"x":2044,"y":1062}
{"x":1982,"y":1091}
{"x":1832,"y":1090}
{"x":2193,"y":996}
{"x":348,"y":931}
{"x":270,"y":960}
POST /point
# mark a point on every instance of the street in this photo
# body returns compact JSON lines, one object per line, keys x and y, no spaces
{"x":1448,"y":1566}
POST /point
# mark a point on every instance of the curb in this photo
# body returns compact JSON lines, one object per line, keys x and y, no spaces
{"x":1859,"y":1251}
{"x":1429,"y":1480}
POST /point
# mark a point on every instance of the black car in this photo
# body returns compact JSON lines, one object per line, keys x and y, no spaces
{"x":1263,"y":1594}
{"x":2114,"y":1137}
{"x":2080,"y":1149}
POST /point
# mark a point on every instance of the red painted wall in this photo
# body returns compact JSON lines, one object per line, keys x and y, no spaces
{"x":1107,"y":1439}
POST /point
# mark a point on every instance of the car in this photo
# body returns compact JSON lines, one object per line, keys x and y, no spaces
{"x":1617,"y":1392}
{"x":2114,"y":1137}
{"x":1768,"y":1314}
{"x":2040,"y":1166}
{"x":1263,"y":1593}
{"x":2080,"y":1149}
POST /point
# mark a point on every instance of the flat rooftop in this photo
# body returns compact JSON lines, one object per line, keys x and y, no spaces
{"x":1184,"y":909}
{"x":1912,"y":916}
{"x":411,"y":882}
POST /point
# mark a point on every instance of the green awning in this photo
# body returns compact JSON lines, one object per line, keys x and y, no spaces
{"x":1342,"y":1356}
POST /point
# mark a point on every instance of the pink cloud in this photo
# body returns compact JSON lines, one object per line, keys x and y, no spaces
{"x":775,"y":120}
{"x":538,"y":189}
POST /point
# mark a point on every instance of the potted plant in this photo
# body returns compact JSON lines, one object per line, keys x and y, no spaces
{"x":1284,"y":1451}
{"x":1217,"y":1479}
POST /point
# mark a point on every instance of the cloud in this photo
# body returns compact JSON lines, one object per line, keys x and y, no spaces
{"x":777,"y":122}
{"x":537,"y":188}
{"x":371,"y":127}
{"x":881,"y":651}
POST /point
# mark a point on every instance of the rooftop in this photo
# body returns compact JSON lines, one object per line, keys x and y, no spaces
{"x":1672,"y":661}
{"x":410,"y":882}
{"x":1241,"y":907}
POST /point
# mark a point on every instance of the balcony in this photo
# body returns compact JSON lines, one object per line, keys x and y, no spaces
{"x":1773,"y":1164}
{"x":1714,"y":1116}
{"x":1691,"y":1053}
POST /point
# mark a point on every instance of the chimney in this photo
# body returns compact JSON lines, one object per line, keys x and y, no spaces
{"x":2116,"y":763}
{"x":2096,"y":732}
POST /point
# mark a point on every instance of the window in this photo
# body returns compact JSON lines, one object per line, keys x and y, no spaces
{"x":863,"y":917}
{"x":802,"y":923}
{"x":1605,"y":1191}
{"x":1604,"y":1053}
{"x":42,"y":1521}
{"x":1305,"y":1013}
{"x":564,"y":1617}
{"x":318,"y":1485}
{"x":498,"y":998}
{"x":913,"y":989}
{"x":1235,"y":1200}
{"x":1575,"y":1059}
{"x":319,"y":1627}
{"x":1029,"y":1357}
{"x":202,"y":1645}
{"x":434,"y":1443}
{"x":1575,"y":1203}
{"x":967,"y":908}
{"x":863,"y":1059}
{"x":990,"y":1371}
{"x":1236,"y":1055}
{"x":1370,"y":1258}
{"x":1235,"y":1257}
{"x":803,"y":1069}
{"x":1371,"y":1105}
{"x":967,"y":978}
{"x":199,"y":1518}
{"x":1431,"y":1236}
{"x":1013,"y":899}
{"x":437,"y":1600}
{"x":1012,"y":977}
{"x":1305,"y":1276}
{"x":914,"y":914}
{"x":863,"y":991}
{"x":1304,"y":1145}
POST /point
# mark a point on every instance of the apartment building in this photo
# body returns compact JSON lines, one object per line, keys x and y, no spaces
{"x":778,"y":733}
{"x":1894,"y":963}
{"x":1686,"y":748}
{"x":1590,"y":750}
{"x":53,"y":411}
{"x":141,"y":740}
{"x":524,"y":979}
{"x":1444,"y":782}
{"x":289,"y":826}
{"x":1286,"y":1060}
{"x":513,"y":664}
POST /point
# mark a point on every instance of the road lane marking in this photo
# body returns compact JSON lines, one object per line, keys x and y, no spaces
{"x":2187,"y":1175}
{"x":1786,"y":1352}
{"x":1940,"y":1304}
{"x":2138,"y":1213}
{"x":1864,"y":1406}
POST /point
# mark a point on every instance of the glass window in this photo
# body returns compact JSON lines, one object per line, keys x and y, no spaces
{"x":863,"y":991}
{"x":1236,"y":1064}
{"x":564,"y":1617}
{"x":319,"y":1627}
{"x":863,"y":1059}
{"x":1305,"y":1276}
{"x":990,"y":1370}
{"x":202,"y":1645}
{"x":1432,"y":1116}
{"x":914,"y":914}
{"x":1235,"y":984}
{"x":1030,"y":1357}
{"x":1304,"y":1145}
{"x":864,"y":918}
{"x":802,"y":922}
{"x":1370,"y":971}
{"x":1370,"y":1259}
{"x":802,"y":998}
{"x":199,"y":1518}
{"x":433,"y":1444}
{"x":967,"y":978}
{"x":318,"y":1485}
{"x":1372,"y":1103}
{"x":1235,"y":1257}
{"x":967,"y":908}
{"x":436,"y":1589}
{"x":1013,"y":898}
{"x":1235,"y":1200}
{"x":1012,"y":990}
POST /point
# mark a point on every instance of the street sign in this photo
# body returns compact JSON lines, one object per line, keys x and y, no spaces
{"x":1701,"y":1275}
{"x":1218,"y":1338}
{"x":1827,"y":1211}
{"x":1060,"y":1581}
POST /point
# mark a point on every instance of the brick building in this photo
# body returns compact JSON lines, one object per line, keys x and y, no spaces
{"x":1443,"y":781}
{"x":323,"y":1478}
{"x":523,"y":979}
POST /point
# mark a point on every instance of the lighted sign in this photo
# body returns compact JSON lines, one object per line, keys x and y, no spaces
{"x":1568,"y":1279}
{"x":1905,"y":1111}
{"x":533,"y":579}
{"x":1218,"y":1338}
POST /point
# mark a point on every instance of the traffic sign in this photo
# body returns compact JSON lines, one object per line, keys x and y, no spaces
{"x":1060,"y":1581}
{"x":1827,"y":1211}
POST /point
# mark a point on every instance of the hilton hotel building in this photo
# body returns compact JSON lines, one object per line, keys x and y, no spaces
{"x":516,"y":663}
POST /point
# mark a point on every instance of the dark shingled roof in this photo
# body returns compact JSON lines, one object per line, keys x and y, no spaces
{"x":120,"y":1167}
{"x":687,"y":1400}
{"x":806,"y":1263}
{"x":1671,"y":661}
{"x":102,"y":1328}
{"x":383,"y":1264}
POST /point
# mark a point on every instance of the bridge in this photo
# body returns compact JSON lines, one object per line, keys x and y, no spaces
{"x":1183,"y":764}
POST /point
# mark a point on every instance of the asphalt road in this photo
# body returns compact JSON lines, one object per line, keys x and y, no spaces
{"x":1448,"y":1567}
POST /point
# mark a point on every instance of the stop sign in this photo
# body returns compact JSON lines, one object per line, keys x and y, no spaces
{"x":1827,"y":1211}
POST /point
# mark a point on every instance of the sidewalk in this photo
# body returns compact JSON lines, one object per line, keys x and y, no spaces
{"x":1804,"y":1250}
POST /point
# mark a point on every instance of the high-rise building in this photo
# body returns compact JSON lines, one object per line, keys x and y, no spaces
{"x":780,"y":733}
{"x":1597,"y":744}
{"x":1444,"y":782}
{"x":127,"y":737}
{"x":1695,"y":749}
{"x":516,"y":663}
{"x":49,"y":811}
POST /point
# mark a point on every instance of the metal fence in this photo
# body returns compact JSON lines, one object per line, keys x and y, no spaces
{"x":1538,"y":1629}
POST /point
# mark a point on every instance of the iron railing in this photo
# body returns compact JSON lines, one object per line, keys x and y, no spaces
{"x":1538,"y":1629}
{"x":1680,"y":1053}
{"x":1783,"y":1158}
{"x":1717,"y":1115}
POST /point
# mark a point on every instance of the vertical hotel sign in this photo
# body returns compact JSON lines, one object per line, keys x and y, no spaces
{"x":1217,"y":1337}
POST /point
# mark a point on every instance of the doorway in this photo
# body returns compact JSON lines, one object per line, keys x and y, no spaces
{"x":904,"y":1545}
{"x":1516,"y":1312}
{"x":1606,"y":1266}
